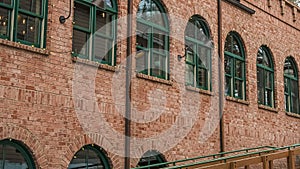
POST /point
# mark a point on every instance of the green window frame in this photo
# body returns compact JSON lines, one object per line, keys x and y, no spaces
{"x":14,"y":154}
{"x":265,"y":77}
{"x":234,"y":60}
{"x":24,"y":21}
{"x":291,"y":89}
{"x":152,"y":40}
{"x":198,"y":53}
{"x":90,"y":156}
{"x":94,"y":31}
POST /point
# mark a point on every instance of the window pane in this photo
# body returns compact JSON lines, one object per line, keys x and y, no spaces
{"x":94,"y":161}
{"x":238,"y":89}
{"x":260,"y":86}
{"x":103,"y":23}
{"x":100,"y":3}
{"x":159,"y":41}
{"x":33,"y":6}
{"x":228,"y":65}
{"x":4,"y":22}
{"x":202,"y":77}
{"x":82,"y":15}
{"x":190,"y":56}
{"x":269,"y":79}
{"x":232,"y":45}
{"x":142,"y":35}
{"x":102,"y":48}
{"x":294,"y":96}
{"x":141,"y":57}
{"x":288,"y":68}
{"x":79,"y":160}
{"x":190,"y":30}
{"x":13,"y":158}
{"x":263,"y":58}
{"x":239,"y":68}
{"x":202,"y":56}
{"x":6,"y":1}
{"x":149,"y":11}
{"x":189,"y":74}
{"x":228,"y":86}
{"x":80,"y":42}
{"x":269,"y":97}
{"x":158,"y":65}
{"x":28,"y":29}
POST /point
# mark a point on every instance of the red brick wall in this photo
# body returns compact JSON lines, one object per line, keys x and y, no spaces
{"x":38,"y":106}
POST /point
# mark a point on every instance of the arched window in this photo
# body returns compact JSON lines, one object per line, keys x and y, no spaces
{"x":14,"y":154}
{"x":152,"y":39}
{"x":235,"y":82}
{"x":152,"y":157}
{"x":94,"y":30}
{"x":197,"y":53}
{"x":291,"y":91}
{"x":90,"y":156}
{"x":265,"y":77}
{"x":24,"y":21}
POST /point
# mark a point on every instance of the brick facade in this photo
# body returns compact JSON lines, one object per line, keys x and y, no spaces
{"x":40,"y":106}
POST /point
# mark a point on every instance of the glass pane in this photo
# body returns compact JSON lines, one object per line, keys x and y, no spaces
{"x":141,"y":57}
{"x":190,"y":29}
{"x":104,"y":23}
{"x":94,"y":161}
{"x":202,"y":77}
{"x":80,"y":42}
{"x":149,"y":11}
{"x":228,"y":86}
{"x":232,"y":45}
{"x":100,"y":3}
{"x":269,"y":97}
{"x":263,"y":58}
{"x":4,"y":22}
{"x":159,"y":41}
{"x":238,"y":89}
{"x":6,"y":1}
{"x":102,"y":48}
{"x":269,"y":79}
{"x":79,"y":160}
{"x":288,"y":68}
{"x":239,"y":68}
{"x":202,"y":56}
{"x":286,"y":102}
{"x":200,"y":32}
{"x":260,"y":86}
{"x":190,"y":56}
{"x":14,"y":158}
{"x":286,"y":88}
{"x":34,"y":6}
{"x":158,"y":66}
{"x":142,"y":35}
{"x":228,"y":65}
{"x":82,"y":15}
{"x":189,"y":74}
{"x":294,"y":96}
{"x":28,"y":29}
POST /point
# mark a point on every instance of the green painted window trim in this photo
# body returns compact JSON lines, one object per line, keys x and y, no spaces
{"x":232,"y":76}
{"x":101,"y":155}
{"x":93,"y":32}
{"x":289,"y":107}
{"x":195,"y":46}
{"x":13,"y":23}
{"x":21,"y":148}
{"x":266,"y":69}
{"x":149,"y":49}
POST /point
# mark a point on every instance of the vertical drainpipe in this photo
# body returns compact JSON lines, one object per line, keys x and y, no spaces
{"x":128,"y":80}
{"x":220,"y":71}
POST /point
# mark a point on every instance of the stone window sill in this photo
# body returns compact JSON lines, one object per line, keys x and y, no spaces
{"x":96,"y":64}
{"x":245,"y":102}
{"x":267,"y":108}
{"x":154,"y":79}
{"x":24,"y":47}
{"x":293,"y":115}
{"x":198,"y":90}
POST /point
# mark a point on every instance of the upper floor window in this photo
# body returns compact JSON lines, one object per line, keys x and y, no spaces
{"x":291,"y":91}
{"x":24,"y":21}
{"x":13,"y":154}
{"x":265,"y":77}
{"x":152,"y":39}
{"x":94,"y":30}
{"x":90,"y":156}
{"x":198,"y":53}
{"x":235,"y":82}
